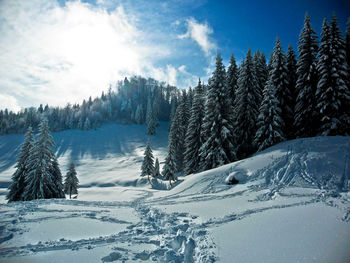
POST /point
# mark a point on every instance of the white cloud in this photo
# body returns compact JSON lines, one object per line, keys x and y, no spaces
{"x":58,"y":54}
{"x":200,"y":33}
{"x":9,"y":102}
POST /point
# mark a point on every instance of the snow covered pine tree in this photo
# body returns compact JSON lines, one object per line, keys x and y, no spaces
{"x":148,"y":162}
{"x":71,"y":181}
{"x":17,"y":186}
{"x":41,"y":180}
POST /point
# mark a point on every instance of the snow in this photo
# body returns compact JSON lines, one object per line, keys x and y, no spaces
{"x":117,"y":217}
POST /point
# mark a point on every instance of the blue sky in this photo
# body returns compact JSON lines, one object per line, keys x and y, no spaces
{"x":64,"y":51}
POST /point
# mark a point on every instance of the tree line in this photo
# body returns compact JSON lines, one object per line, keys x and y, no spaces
{"x":135,"y":100}
{"x":256,"y":105}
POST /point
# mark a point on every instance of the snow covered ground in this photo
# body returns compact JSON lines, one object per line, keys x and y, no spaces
{"x":286,"y":208}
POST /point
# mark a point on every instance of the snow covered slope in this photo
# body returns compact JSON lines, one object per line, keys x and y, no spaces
{"x":287,"y":207}
{"x":107,"y":157}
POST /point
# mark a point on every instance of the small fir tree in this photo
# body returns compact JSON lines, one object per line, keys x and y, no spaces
{"x":147,"y":168}
{"x":156,"y":173}
{"x":71,"y":181}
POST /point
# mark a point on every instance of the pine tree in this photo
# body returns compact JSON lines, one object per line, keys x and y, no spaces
{"x":292,"y":78}
{"x":17,"y":186}
{"x":147,"y":168}
{"x":218,"y":147}
{"x":57,"y":179}
{"x":332,"y":95}
{"x":71,"y":181}
{"x":261,"y":71}
{"x":246,"y":109}
{"x":156,"y":173}
{"x":193,"y":139}
{"x":40,"y":180}
{"x":270,"y":122}
{"x":150,"y":121}
{"x":185,"y":111}
{"x":232,"y":76}
{"x":279,"y":78}
{"x":177,"y":138}
{"x":305,"y":112}
{"x":169,"y":167}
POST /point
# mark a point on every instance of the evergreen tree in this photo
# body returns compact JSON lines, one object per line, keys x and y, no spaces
{"x":232,"y":76}
{"x":279,"y":78}
{"x":292,"y":78}
{"x":185,"y":111}
{"x":150,"y":121}
{"x":148,"y":162}
{"x":173,"y":106}
{"x":177,"y":138}
{"x":17,"y":186}
{"x":332,"y":95}
{"x":270,"y":122}
{"x":40,"y":180}
{"x":261,"y":71}
{"x":193,"y":139}
{"x":57,"y":179}
{"x":305,"y":113}
{"x":246,"y":109}
{"x":169,"y":168}
{"x":218,"y":147}
{"x":156,"y":173}
{"x":71,"y":181}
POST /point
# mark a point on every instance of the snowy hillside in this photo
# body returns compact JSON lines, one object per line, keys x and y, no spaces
{"x":287,"y":206}
{"x":107,"y":157}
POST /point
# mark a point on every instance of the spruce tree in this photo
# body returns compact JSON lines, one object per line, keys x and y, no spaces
{"x":193,"y":139}
{"x":232,"y":76}
{"x":279,"y":78}
{"x":169,"y":168}
{"x":305,"y":112}
{"x":71,"y":181}
{"x":246,"y":108}
{"x":177,"y":138}
{"x":147,"y":168}
{"x":270,"y":122}
{"x":292,"y":78}
{"x":332,"y":93}
{"x":40,"y":181}
{"x":17,"y":186}
{"x":261,"y":71}
{"x":150,"y":121}
{"x":57,"y":178}
{"x":218,"y":147}
{"x":156,"y":173}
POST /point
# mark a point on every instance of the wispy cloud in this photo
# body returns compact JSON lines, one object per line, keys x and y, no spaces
{"x":58,"y":54}
{"x":200,"y":33}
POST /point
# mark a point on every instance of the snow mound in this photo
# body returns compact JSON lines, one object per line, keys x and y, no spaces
{"x":319,"y":162}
